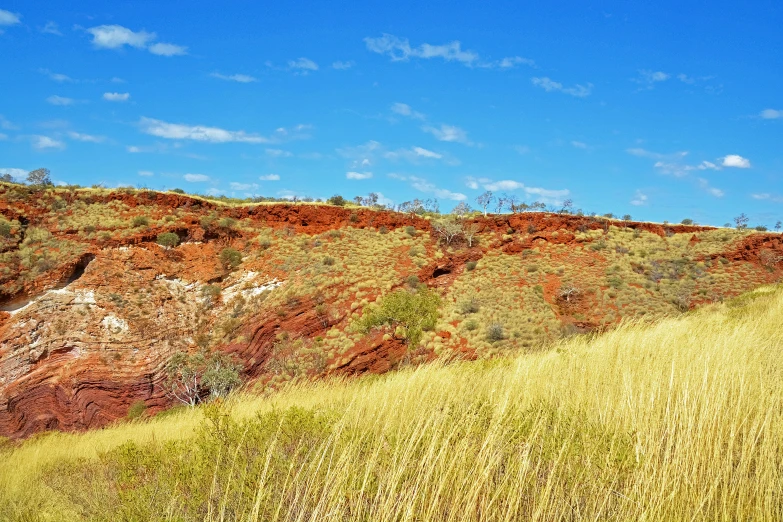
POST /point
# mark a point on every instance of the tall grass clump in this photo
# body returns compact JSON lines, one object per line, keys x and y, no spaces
{"x":679,"y":420}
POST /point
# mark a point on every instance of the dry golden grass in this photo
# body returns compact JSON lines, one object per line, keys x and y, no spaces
{"x":680,"y":420}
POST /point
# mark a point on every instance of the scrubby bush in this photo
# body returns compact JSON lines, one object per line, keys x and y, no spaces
{"x":471,"y":306}
{"x":761,"y":228}
{"x":328,"y":261}
{"x":168,"y":239}
{"x":5,"y":228}
{"x":410,"y":230}
{"x":470,"y":265}
{"x":178,"y":191}
{"x":495,"y":333}
{"x":264,"y":243}
{"x":412,"y":281}
{"x":687,"y":221}
{"x":337,"y":200}
{"x":410,"y":312}
{"x":230,"y":257}
{"x":471,"y":325}
{"x":140,"y":221}
{"x":383,"y":230}
{"x":227,"y":223}
{"x":189,"y":377}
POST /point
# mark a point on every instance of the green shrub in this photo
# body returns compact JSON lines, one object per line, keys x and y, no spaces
{"x":5,"y":228}
{"x":471,"y":325}
{"x":190,"y":376}
{"x":136,"y":410}
{"x":687,"y":221}
{"x":495,"y":333}
{"x":413,"y":312}
{"x":383,"y":230}
{"x":354,"y":217}
{"x":264,"y":243}
{"x":177,"y":191}
{"x":412,"y":281}
{"x":230,"y":257}
{"x":470,"y":266}
{"x":168,"y":239}
{"x":227,"y":223}
{"x":140,"y":221}
{"x":337,"y":200}
{"x":328,"y":261}
{"x":411,"y":231}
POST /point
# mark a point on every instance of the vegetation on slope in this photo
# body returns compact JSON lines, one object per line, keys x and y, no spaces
{"x":676,"y":420}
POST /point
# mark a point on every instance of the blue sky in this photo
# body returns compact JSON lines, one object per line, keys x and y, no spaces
{"x":661,"y":110}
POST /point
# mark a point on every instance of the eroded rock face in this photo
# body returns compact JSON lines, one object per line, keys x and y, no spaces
{"x":86,"y":338}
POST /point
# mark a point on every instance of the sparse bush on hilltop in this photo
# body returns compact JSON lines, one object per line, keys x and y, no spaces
{"x":337,"y":200}
{"x":687,"y":221}
{"x":39,"y":177}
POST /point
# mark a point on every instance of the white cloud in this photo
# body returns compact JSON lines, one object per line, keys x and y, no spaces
{"x":134,"y":149}
{"x":579,"y":145}
{"x":737,"y":161}
{"x":9,"y":18}
{"x":179,"y":131}
{"x":358,"y":175}
{"x":167,"y":49}
{"x":771,"y":114}
{"x":513,"y":61}
{"x":640,"y":199}
{"x":45,"y":142}
{"x":684,"y":78}
{"x":15,"y":173}
{"x":303,"y":64}
{"x":399,"y":49}
{"x":649,"y":78}
{"x":60,"y":100}
{"x":762,"y":197}
{"x":116,"y":96}
{"x":425,"y":186}
{"x":117,"y":80}
{"x":642,"y":153}
{"x":278,"y":153}
{"x":146,"y":173}
{"x":704,"y":184}
{"x":243,"y":186}
{"x":51,"y":28}
{"x":240,"y":78}
{"x":214,"y":191}
{"x":269,"y":177}
{"x":549,"y":85}
{"x":341,"y":66}
{"x":86,"y":137}
{"x":549,"y":196}
{"x":56,"y":76}
{"x":404,"y":109}
{"x":426,"y":153}
{"x":195,"y":178}
{"x":449,"y":133}
{"x":117,"y":36}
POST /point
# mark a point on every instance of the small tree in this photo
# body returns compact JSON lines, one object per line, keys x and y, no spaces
{"x":568,"y":207}
{"x":461,"y":210}
{"x":448,"y":228}
{"x":627,"y":217}
{"x":371,"y":200}
{"x":337,"y":200}
{"x":39,"y":177}
{"x":190,"y":377}
{"x":230,"y":257}
{"x":512,"y":204}
{"x":741,"y":221}
{"x":7,"y":178}
{"x":470,"y":231}
{"x":687,"y":221}
{"x":484,"y":200}
{"x":168,"y":240}
{"x":567,"y":292}
{"x":778,"y":225}
{"x":500,"y":203}
{"x":410,"y":313}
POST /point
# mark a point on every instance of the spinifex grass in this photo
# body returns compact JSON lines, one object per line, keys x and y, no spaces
{"x":680,"y":420}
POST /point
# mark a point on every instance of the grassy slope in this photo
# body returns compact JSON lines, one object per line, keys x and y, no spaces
{"x":680,"y":420}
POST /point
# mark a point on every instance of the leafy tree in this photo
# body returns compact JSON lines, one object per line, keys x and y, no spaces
{"x":484,"y":200}
{"x":778,"y":225}
{"x":7,"y":178}
{"x":371,"y":200}
{"x":410,"y":313}
{"x":512,"y":203}
{"x":230,"y":257}
{"x":337,"y":200}
{"x":568,"y":207}
{"x":461,"y":210}
{"x":39,"y":177}
{"x":470,"y":231}
{"x":358,"y":200}
{"x":741,"y":221}
{"x":191,"y":377}
{"x":448,"y":228}
{"x":627,"y":217}
{"x":168,"y":240}
{"x":177,"y":191}
{"x":687,"y":221}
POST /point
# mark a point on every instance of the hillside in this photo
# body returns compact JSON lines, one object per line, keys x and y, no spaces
{"x":679,"y":420}
{"x":93,"y":307}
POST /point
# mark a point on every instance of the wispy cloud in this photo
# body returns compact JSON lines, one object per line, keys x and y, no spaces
{"x":195,"y":178}
{"x":240,"y":78}
{"x":765,"y":196}
{"x":342,"y":66}
{"x":647,"y":78}
{"x":771,"y":114}
{"x":117,"y":37}
{"x":116,"y":96}
{"x":45,"y":142}
{"x":400,"y":50}
{"x":278,"y":153}
{"x":425,"y":186}
{"x":450,"y":133}
{"x":549,"y":85}
{"x":86,"y":137}
{"x":639,"y":199}
{"x":522,"y":149}
{"x":243,"y":186}
{"x":358,"y":175}
{"x":302,"y":65}
{"x":56,"y":76}
{"x":50,"y":28}
{"x":269,"y":177}
{"x":146,"y":173}
{"x":403,"y":109}
{"x":9,"y":18}
{"x":364,"y":156}
{"x":14,"y":172}
{"x":60,"y":100}
{"x":549,"y":196}
{"x":705,"y":185}
{"x":643,"y":153}
{"x":181,"y":131}
{"x":580,"y":145}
